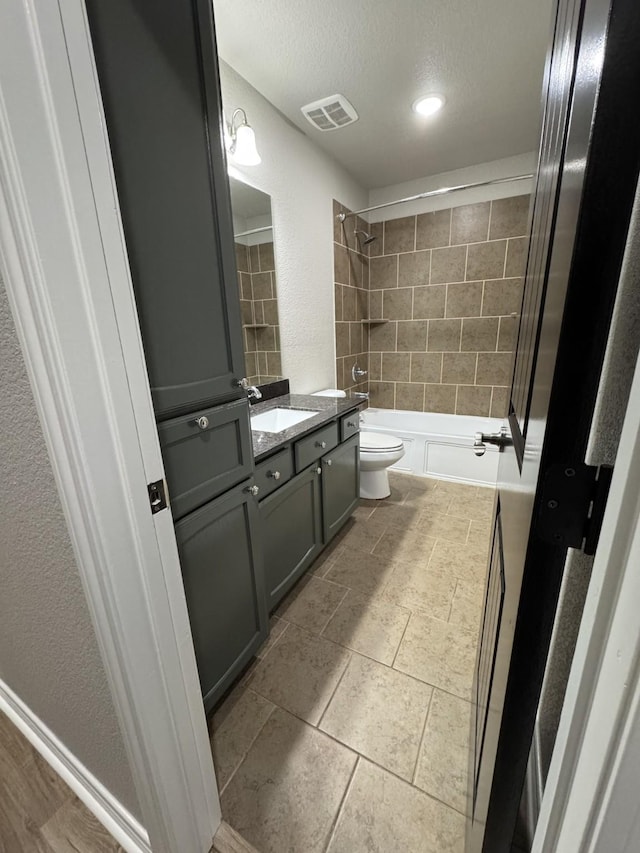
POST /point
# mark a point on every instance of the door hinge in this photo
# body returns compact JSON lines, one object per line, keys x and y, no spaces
{"x":157,"y":496}
{"x":574,"y":496}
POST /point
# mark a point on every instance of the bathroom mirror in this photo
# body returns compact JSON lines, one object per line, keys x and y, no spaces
{"x":255,"y":260}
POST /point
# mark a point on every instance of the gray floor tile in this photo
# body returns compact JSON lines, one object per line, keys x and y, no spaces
{"x":301,"y":673}
{"x":383,"y":814}
{"x":440,"y":526}
{"x":416,"y":587}
{"x":363,"y":535}
{"x":444,"y":754}
{"x":232,"y":739}
{"x":380,"y":713}
{"x":276,"y":628}
{"x":359,"y":570}
{"x":438,"y":653}
{"x":312,"y":603}
{"x":373,"y":629}
{"x":405,"y":545}
{"x":285,"y":796}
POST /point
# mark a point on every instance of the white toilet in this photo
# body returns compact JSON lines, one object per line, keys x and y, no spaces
{"x":377,"y":452}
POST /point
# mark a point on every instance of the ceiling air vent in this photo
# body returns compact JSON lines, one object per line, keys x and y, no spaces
{"x":330,"y":113}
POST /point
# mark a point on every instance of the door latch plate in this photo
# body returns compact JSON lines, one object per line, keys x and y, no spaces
{"x":157,"y":496}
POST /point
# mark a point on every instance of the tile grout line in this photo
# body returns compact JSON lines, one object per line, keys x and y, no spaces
{"x":362,"y":757}
{"x":273,"y":645}
{"x":381,"y":663}
{"x":424,"y":730}
{"x":393,"y":662}
{"x":455,"y":589}
{"x":334,"y":691}
{"x":347,"y":790}
{"x":335,"y":610}
{"x":253,"y":740}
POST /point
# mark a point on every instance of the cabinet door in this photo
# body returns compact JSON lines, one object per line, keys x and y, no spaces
{"x":340,"y":485}
{"x":158,"y":73}
{"x":291,"y":532}
{"x":224,"y":586}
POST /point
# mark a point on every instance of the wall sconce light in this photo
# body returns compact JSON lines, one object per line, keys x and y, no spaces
{"x":241,"y":140}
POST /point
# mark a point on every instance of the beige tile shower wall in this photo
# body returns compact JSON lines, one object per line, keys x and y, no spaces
{"x":351,"y":289}
{"x":259,"y":306}
{"x":448,"y":286}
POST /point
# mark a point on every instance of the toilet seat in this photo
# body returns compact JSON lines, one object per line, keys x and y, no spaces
{"x":376,"y":442}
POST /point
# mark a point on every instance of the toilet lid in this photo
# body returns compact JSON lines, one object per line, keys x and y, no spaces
{"x":378,"y":442}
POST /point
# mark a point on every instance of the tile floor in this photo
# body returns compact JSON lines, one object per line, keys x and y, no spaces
{"x":350,"y":732}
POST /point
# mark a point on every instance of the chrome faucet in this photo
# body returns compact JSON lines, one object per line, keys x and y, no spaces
{"x":253,"y":392}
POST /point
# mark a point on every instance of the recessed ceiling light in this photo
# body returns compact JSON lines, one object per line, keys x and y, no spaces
{"x":428,"y":105}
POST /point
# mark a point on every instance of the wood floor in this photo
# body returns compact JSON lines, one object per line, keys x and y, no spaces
{"x":350,"y":734}
{"x":38,"y":811}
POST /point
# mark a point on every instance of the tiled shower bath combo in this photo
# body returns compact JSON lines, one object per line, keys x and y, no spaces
{"x":441,"y":309}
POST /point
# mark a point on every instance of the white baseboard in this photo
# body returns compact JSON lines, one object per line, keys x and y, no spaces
{"x":122,"y":825}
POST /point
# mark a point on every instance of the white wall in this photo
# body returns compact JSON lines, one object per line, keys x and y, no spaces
{"x":522,"y":164}
{"x":302,"y":181}
{"x":48,"y":652}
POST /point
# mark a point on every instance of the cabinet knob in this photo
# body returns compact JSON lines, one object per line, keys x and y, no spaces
{"x":253,"y":490}
{"x":328,"y":462}
{"x":318,"y":470}
{"x":202,"y":421}
{"x":243,"y":383}
{"x":321,"y":444}
{"x":275,"y":474}
{"x":351,"y":424}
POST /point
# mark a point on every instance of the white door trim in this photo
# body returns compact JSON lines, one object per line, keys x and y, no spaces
{"x":588,"y":800}
{"x":64,"y":265}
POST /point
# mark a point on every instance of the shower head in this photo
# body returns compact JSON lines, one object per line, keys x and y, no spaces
{"x":368,"y":238}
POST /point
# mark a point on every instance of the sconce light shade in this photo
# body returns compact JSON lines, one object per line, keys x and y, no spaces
{"x":245,"y":151}
{"x":241,"y":141}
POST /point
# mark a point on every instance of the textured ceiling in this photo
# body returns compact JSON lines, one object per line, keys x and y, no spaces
{"x":485,"y":56}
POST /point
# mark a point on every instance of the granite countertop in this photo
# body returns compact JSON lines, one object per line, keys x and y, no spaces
{"x":326,"y":407}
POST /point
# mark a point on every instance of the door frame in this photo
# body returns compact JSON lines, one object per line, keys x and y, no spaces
{"x":59,"y":222}
{"x":67,"y":277}
{"x":588,"y":792}
{"x":592,"y":225}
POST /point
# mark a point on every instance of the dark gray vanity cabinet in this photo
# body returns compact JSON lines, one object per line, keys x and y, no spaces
{"x":224,"y":587}
{"x":158,"y":72}
{"x":340,"y":486}
{"x":301,"y":513}
{"x":291,"y":532}
{"x":157,"y":66}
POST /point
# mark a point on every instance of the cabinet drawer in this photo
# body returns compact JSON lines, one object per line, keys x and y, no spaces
{"x":274,"y":472}
{"x":201,"y":462}
{"x":308,"y":449}
{"x":349,"y":425}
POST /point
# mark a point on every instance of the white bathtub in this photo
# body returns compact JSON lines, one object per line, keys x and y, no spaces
{"x":438,"y":445}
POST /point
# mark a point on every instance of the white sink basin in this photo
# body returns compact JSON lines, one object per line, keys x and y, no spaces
{"x":277,"y":420}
